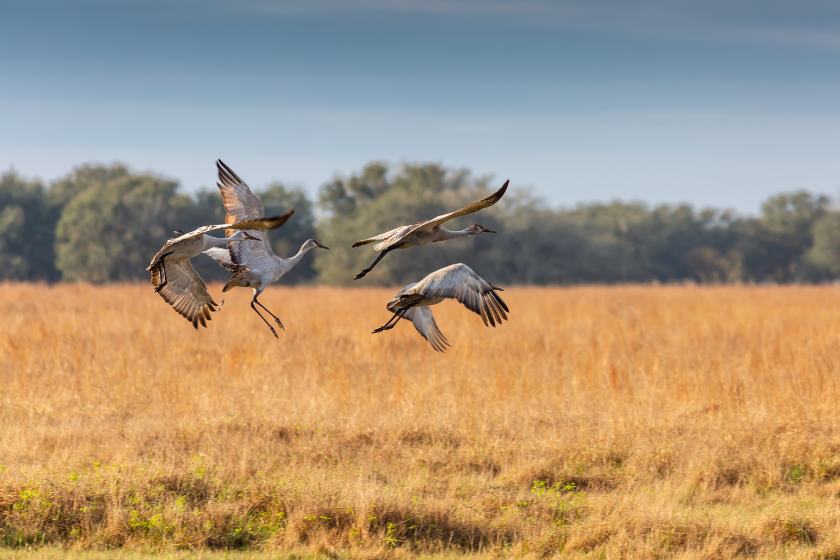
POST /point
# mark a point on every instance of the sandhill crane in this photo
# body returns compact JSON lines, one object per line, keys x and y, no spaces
{"x":254,"y":266}
{"x":430,"y":231}
{"x":456,"y":281}
{"x":174,"y":277}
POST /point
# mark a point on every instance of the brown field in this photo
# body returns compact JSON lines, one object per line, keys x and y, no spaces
{"x":633,"y":422}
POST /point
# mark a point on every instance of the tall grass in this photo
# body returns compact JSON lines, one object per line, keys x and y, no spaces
{"x":627,"y":421}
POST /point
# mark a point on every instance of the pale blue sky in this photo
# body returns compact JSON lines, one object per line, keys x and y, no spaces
{"x":715,"y":103}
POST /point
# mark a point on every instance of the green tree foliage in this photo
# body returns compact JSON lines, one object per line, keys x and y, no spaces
{"x":823,"y":259}
{"x":110,"y":230}
{"x":104,"y":223}
{"x":595,"y":243}
{"x":27,"y":224}
{"x":774,"y":245}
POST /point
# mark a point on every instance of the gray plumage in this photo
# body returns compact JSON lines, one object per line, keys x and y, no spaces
{"x":458,"y":282}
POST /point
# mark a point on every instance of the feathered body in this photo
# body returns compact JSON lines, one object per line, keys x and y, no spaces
{"x":253,"y":267}
{"x":457,"y":281}
{"x":430,"y":231}
{"x":174,"y":277}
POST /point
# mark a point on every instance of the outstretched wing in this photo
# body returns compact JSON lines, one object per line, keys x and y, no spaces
{"x":222,"y":256}
{"x":242,"y":206}
{"x":260,"y":224}
{"x":425,"y":324}
{"x":185,"y":291}
{"x":459,"y":282}
{"x":474,"y":207}
{"x":240,"y":203}
{"x":379,"y":237}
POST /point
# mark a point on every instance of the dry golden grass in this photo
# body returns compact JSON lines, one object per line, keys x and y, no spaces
{"x":637,"y":422}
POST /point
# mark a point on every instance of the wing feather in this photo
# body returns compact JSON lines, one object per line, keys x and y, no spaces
{"x":240,"y":203}
{"x":461,"y":283}
{"x":242,"y":206}
{"x":379,"y":237}
{"x":424,"y":322}
{"x":185,"y":291}
{"x":469,"y":209}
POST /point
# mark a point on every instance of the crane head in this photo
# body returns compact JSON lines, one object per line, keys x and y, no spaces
{"x":312,"y":244}
{"x":476,"y":229}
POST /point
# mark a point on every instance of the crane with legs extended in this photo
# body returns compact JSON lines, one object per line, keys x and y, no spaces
{"x":174,"y":277}
{"x":430,"y":231}
{"x":456,"y":281}
{"x":253,"y":266}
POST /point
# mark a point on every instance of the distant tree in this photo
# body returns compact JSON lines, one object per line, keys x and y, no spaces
{"x":774,"y":245}
{"x":27,"y":226}
{"x":110,"y":231}
{"x":63,"y":190}
{"x":824,"y":255}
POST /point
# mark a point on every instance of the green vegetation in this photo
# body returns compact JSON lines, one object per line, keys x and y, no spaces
{"x":103,"y":224}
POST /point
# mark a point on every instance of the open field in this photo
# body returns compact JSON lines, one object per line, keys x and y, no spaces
{"x":643,"y":422}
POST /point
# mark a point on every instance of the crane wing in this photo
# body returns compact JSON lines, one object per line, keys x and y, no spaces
{"x":259,"y":224}
{"x":185,"y":291}
{"x":222,"y":256}
{"x":459,"y":282}
{"x":240,"y":202}
{"x":242,"y":206}
{"x":379,"y":237}
{"x":474,"y":207}
{"x":425,"y":324}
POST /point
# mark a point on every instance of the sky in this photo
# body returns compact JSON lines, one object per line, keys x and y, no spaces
{"x":714,"y":103}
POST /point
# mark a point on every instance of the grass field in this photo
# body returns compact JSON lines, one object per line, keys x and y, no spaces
{"x":633,"y":422}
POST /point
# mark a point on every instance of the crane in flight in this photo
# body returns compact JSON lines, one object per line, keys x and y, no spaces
{"x":456,"y":281}
{"x":253,"y":266}
{"x":174,"y":277}
{"x":430,"y":231}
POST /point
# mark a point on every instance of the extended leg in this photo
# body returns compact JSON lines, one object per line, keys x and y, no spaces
{"x":162,"y":273}
{"x":263,"y":318}
{"x":398,"y":315}
{"x":270,"y":313}
{"x":368,"y":269}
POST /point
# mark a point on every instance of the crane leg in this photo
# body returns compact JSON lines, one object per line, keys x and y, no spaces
{"x":270,"y":313}
{"x":398,"y":315}
{"x":263,"y":318}
{"x":368,"y":269}
{"x":162,"y":272}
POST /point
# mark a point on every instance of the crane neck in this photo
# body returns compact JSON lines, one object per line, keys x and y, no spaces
{"x":444,"y":234}
{"x":287,"y":264}
{"x":208,"y":241}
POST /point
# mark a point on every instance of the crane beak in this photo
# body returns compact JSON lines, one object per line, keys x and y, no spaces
{"x":489,"y":231}
{"x":251,"y":237}
{"x":321,"y":246}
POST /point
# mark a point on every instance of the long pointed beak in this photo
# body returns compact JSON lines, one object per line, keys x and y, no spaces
{"x":251,"y":237}
{"x":489,"y":231}
{"x":321,"y":246}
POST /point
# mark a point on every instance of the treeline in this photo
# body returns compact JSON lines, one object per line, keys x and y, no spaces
{"x":103,"y":224}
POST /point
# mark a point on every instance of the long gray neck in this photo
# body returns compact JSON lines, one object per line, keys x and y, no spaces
{"x":208,"y":241}
{"x":287,"y":264}
{"x":444,"y":234}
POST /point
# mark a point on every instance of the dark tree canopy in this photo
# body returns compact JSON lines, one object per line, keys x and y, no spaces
{"x":104,"y":223}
